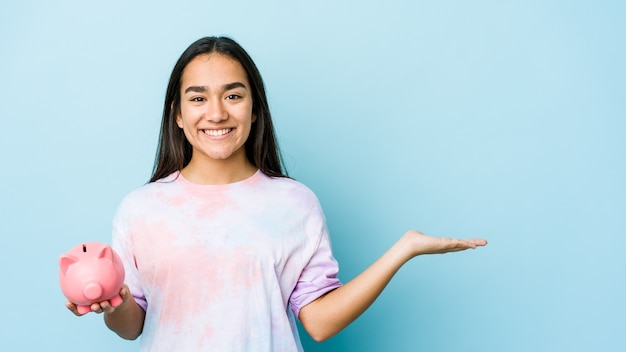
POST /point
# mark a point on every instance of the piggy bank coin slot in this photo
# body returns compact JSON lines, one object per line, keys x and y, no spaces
{"x":84,"y":249}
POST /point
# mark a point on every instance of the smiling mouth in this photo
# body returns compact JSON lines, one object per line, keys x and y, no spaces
{"x":217,"y":133}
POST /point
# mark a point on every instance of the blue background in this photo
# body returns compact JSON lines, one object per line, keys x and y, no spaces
{"x":496,"y":119}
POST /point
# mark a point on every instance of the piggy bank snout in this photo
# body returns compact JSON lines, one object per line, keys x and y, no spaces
{"x":93,"y":290}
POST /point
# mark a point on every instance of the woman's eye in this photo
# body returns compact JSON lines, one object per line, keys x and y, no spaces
{"x":197,"y":99}
{"x":232,"y":96}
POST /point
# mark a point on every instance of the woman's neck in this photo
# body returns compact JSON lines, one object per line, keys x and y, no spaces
{"x":218,"y":172}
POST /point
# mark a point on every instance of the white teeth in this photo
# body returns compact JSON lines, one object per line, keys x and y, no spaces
{"x":216,"y":133}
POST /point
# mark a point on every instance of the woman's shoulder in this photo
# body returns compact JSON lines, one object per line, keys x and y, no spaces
{"x":150,"y":190}
{"x":286,"y":183}
{"x":289,"y":188}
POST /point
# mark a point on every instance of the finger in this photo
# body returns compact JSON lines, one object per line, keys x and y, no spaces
{"x":477,"y":241}
{"x":107,"y":307}
{"x":473,"y":242}
{"x":96,"y":308}
{"x":480,"y":241}
{"x":473,"y":239}
{"x":125,"y":292}
{"x":455,"y":249}
{"x":72,"y":308}
{"x":467,"y":244}
{"x":455,"y":244}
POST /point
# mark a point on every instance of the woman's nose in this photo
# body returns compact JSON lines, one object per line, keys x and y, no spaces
{"x":216,"y":111}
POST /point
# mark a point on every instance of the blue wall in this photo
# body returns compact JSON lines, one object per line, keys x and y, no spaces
{"x":505,"y":120}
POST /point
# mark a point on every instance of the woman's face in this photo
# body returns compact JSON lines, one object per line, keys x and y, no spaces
{"x":215,"y":108}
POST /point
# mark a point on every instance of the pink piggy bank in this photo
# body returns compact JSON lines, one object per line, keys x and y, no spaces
{"x":91,"y":272}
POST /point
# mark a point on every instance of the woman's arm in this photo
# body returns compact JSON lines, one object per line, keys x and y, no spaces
{"x":126,"y":320}
{"x":330,"y":313}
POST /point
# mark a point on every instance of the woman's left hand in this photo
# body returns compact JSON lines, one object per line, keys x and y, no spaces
{"x":424,"y":244}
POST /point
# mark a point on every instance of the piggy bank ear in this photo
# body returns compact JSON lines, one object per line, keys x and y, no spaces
{"x":105,"y":253}
{"x":65,"y":261}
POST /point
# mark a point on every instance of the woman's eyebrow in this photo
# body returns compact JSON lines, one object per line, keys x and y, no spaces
{"x":196,"y":89}
{"x":234,"y":85}
{"x":227,"y":86}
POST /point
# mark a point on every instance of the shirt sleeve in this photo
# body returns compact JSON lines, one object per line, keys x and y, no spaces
{"x":122,"y":246}
{"x":318,"y":277}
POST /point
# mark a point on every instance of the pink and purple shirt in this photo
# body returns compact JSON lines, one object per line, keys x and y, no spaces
{"x":224,"y":267}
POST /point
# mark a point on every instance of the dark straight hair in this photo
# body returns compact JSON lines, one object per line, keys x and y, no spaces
{"x":174,"y":151}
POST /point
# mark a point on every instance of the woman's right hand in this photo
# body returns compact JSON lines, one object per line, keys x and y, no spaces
{"x":104,"y":306}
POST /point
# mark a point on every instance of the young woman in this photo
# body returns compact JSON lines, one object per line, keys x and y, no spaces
{"x":222,"y":250}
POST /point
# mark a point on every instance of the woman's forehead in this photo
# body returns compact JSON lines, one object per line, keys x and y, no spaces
{"x":213,"y":69}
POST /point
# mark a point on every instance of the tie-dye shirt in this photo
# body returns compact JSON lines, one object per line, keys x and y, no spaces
{"x":223,"y":267}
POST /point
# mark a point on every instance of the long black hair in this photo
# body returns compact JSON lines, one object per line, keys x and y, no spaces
{"x":174,"y":151}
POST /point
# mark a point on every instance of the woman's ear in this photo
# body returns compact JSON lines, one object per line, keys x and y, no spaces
{"x":179,"y":118}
